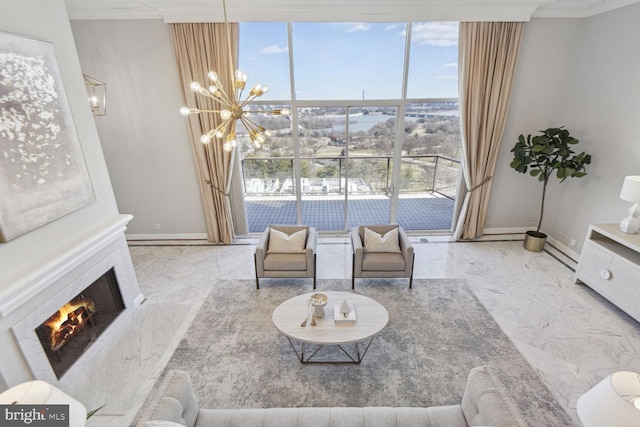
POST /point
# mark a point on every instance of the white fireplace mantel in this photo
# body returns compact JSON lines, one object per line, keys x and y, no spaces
{"x":62,"y":263}
{"x":34,"y":296}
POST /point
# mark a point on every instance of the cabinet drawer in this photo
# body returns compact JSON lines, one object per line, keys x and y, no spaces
{"x":623,"y":285}
{"x":594,"y":265}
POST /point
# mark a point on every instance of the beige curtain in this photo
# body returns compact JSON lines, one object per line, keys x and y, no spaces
{"x":200,"y":48}
{"x":487,"y":59}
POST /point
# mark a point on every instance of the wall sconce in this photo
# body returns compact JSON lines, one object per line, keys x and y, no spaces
{"x":97,"y":92}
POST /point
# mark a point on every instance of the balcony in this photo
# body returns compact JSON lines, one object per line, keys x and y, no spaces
{"x":426,"y":201}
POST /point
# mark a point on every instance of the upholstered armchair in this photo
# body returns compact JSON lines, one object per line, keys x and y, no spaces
{"x":286,"y":251}
{"x":381,"y":251}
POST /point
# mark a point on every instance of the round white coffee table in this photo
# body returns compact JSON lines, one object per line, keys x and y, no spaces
{"x":371,"y":318}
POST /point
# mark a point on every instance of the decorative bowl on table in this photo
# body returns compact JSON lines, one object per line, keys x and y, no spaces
{"x":318,"y":301}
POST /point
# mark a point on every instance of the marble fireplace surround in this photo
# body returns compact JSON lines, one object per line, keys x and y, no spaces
{"x":71,"y":272}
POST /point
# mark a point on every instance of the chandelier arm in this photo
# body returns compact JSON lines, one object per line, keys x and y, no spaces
{"x":255,"y":126}
{"x":246,"y":124}
{"x":239,"y":94}
{"x":207,"y":111}
{"x":224,"y":98}
{"x":248,"y":100}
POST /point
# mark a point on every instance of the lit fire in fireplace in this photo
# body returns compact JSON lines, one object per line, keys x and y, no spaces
{"x":69,"y":320}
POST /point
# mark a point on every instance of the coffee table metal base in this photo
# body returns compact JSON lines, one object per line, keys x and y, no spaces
{"x":354,"y":357}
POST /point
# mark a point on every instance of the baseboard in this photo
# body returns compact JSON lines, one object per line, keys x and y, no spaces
{"x":555,"y":238}
{"x":506,"y":230}
{"x":182,"y":236}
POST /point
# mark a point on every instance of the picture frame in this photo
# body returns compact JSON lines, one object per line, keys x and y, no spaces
{"x":43,"y":174}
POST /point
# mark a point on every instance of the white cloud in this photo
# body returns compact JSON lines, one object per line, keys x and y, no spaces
{"x":451,"y":65}
{"x":274,"y":49}
{"x":358,"y":27}
{"x":390,"y":27}
{"x":443,"y":34}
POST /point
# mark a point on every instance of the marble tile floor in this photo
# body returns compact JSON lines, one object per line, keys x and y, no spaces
{"x":569,"y":334}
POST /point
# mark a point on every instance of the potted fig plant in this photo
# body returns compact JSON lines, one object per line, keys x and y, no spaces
{"x":541,"y":156}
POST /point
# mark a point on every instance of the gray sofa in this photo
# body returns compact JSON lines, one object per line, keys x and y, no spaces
{"x":484,"y":403}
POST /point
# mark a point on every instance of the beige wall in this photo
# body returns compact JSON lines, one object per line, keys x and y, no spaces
{"x":144,"y":137}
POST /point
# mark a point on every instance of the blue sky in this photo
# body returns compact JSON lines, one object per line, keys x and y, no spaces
{"x":343,"y":60}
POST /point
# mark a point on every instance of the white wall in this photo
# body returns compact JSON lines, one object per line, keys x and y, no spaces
{"x":539,"y":94}
{"x":583,"y":74}
{"x":604,"y":110}
{"x":144,"y":137}
{"x":47,"y":20}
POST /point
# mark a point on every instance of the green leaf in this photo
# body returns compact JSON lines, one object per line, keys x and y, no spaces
{"x":534,"y":172}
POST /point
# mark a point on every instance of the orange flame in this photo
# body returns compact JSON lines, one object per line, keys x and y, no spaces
{"x":66,"y":313}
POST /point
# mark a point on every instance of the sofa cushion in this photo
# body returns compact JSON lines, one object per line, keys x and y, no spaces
{"x":162,"y":423}
{"x":285,"y":262}
{"x":378,"y":261}
{"x":283,"y":243}
{"x":376,"y":242}
{"x":450,"y":416}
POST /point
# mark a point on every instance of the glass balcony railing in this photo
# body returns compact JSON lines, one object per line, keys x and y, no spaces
{"x":427,"y":190}
{"x":367,"y":175}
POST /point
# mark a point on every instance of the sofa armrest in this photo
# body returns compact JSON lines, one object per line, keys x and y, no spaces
{"x":261,"y":252}
{"x":173,"y":401}
{"x":407,"y":250}
{"x":311,"y":249}
{"x":357,"y":250}
{"x":486,"y":402}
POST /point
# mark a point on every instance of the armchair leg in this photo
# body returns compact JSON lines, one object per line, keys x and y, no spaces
{"x":353,"y":271}
{"x":255,"y":265}
{"x":413,"y":263}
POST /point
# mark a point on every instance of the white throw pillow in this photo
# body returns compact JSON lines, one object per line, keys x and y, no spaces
{"x":283,"y":243}
{"x":375,"y":242}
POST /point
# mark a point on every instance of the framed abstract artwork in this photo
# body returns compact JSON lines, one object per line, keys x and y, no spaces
{"x":43,"y":174}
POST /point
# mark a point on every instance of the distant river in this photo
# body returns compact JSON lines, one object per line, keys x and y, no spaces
{"x":365,"y":122}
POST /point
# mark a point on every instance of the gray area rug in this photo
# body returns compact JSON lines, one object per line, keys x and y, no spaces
{"x":436,"y":333}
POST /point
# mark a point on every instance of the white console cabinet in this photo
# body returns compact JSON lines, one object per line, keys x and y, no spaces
{"x":610,"y":264}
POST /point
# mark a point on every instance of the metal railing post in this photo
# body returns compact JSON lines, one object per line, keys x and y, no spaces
{"x":435,"y":173}
{"x":386,"y":183}
{"x":340,"y":175}
{"x":244,"y":178}
{"x":293,"y":179}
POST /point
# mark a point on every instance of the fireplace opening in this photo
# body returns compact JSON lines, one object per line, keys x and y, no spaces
{"x":71,"y":330}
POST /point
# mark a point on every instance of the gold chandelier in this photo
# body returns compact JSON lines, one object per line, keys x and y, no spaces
{"x":233,"y":109}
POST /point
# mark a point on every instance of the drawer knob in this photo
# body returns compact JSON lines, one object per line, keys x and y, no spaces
{"x":605,"y":274}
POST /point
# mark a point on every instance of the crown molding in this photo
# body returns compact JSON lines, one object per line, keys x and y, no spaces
{"x":580,"y":8}
{"x":339,"y":11}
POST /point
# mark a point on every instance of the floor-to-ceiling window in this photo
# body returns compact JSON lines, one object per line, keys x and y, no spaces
{"x":373,"y":134}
